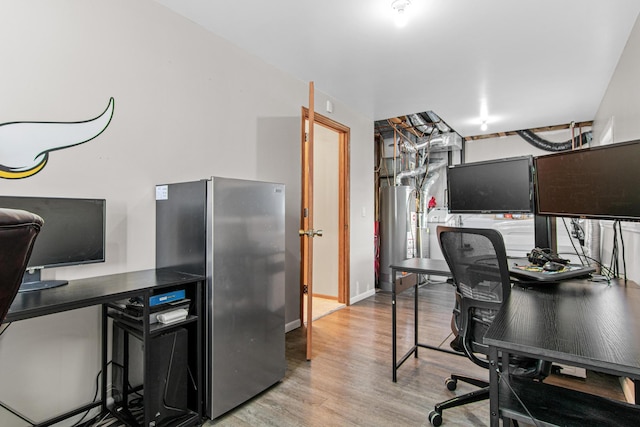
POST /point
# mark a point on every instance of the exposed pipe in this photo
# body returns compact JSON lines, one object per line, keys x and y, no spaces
{"x":421,"y":170}
{"x":412,"y":148}
{"x":411,"y":173}
{"x":543,"y":144}
{"x":418,"y":122}
{"x":395,"y":145}
{"x":430,"y":181}
{"x":438,"y":122}
{"x":450,"y":139}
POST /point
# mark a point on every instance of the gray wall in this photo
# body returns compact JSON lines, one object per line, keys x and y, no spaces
{"x":188,"y":105}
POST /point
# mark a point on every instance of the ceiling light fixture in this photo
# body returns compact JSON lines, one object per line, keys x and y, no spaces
{"x":484,"y":114}
{"x":400,"y":8}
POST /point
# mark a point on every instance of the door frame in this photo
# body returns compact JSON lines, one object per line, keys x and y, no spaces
{"x":344,"y":255}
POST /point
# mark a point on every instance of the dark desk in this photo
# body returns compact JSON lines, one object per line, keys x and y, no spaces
{"x":92,"y":291}
{"x":420,"y":267}
{"x":576,"y":322}
{"x":100,"y":291}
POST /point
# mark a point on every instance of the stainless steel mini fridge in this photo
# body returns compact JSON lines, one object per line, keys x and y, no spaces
{"x":232,"y":231}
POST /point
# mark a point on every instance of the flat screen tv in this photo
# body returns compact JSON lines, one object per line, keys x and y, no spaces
{"x":491,"y":187}
{"x":600,"y":182}
{"x":73,"y":233}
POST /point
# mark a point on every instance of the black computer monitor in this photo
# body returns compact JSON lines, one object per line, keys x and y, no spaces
{"x":73,"y":233}
{"x":600,"y":183}
{"x":491,"y":187}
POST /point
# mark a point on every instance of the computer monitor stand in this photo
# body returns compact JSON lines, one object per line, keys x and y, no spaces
{"x":545,"y":233}
{"x":31,"y":281}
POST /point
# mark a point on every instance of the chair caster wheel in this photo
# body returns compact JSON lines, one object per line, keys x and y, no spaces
{"x":435,"y":418}
{"x":451,"y":384}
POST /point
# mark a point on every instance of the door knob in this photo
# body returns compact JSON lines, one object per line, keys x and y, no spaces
{"x":310,"y":233}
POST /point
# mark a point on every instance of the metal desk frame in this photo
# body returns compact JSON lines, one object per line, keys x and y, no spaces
{"x":421,"y":267}
{"x":96,"y":291}
{"x":593,"y":325}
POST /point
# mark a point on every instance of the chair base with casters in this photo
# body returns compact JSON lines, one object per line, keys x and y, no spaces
{"x":435,"y":416}
{"x":535,"y":370}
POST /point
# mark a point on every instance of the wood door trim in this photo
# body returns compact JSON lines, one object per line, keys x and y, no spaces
{"x":344,"y":243}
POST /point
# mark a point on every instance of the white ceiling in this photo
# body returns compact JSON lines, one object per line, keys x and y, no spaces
{"x":532,"y":63}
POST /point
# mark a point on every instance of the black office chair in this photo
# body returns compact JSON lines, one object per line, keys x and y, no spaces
{"x":18,"y":232}
{"x":478,"y":262}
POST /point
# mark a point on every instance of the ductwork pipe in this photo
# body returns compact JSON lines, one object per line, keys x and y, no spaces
{"x":420,"y":123}
{"x":430,"y":181}
{"x":438,"y":122}
{"x":543,"y":144}
{"x":412,"y":148}
{"x":421,"y":170}
{"x":449,"y":140}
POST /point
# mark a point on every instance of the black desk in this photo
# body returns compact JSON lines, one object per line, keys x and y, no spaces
{"x":576,"y":322}
{"x":103,"y":290}
{"x":420,"y":267}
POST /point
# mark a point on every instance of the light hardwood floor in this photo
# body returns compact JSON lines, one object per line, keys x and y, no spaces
{"x":348,"y":382}
{"x":322,"y":307}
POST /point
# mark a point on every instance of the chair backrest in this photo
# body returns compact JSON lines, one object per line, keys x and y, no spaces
{"x":18,"y":231}
{"x":478,"y":261}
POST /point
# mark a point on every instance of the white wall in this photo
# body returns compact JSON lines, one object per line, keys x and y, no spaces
{"x":326,"y":192}
{"x":188,"y":105}
{"x":620,"y":105}
{"x":502,"y":148}
{"x":619,"y":113}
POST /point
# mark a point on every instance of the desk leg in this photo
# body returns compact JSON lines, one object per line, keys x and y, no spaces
{"x":494,"y":407}
{"x":103,"y":383}
{"x":415,"y":316}
{"x":393,"y":323}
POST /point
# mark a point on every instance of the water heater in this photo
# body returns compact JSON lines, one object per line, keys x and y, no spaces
{"x":398,"y":229}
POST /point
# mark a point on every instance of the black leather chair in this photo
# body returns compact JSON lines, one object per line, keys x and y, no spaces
{"x":18,"y":232}
{"x":478,"y":262}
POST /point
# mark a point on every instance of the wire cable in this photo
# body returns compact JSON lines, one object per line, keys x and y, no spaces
{"x":564,"y":222}
{"x":606,"y":271}
{"x":624,"y":262}
{"x":535,"y":422}
{"x":573,"y":243}
{"x":614,"y":253}
{"x":95,"y":396}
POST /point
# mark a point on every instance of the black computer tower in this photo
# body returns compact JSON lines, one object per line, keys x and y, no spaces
{"x":165,"y":390}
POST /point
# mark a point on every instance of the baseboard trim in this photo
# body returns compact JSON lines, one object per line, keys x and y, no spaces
{"x":291,"y":326}
{"x":364,"y":295}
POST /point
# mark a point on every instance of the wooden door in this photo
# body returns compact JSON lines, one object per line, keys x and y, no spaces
{"x":306,"y":222}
